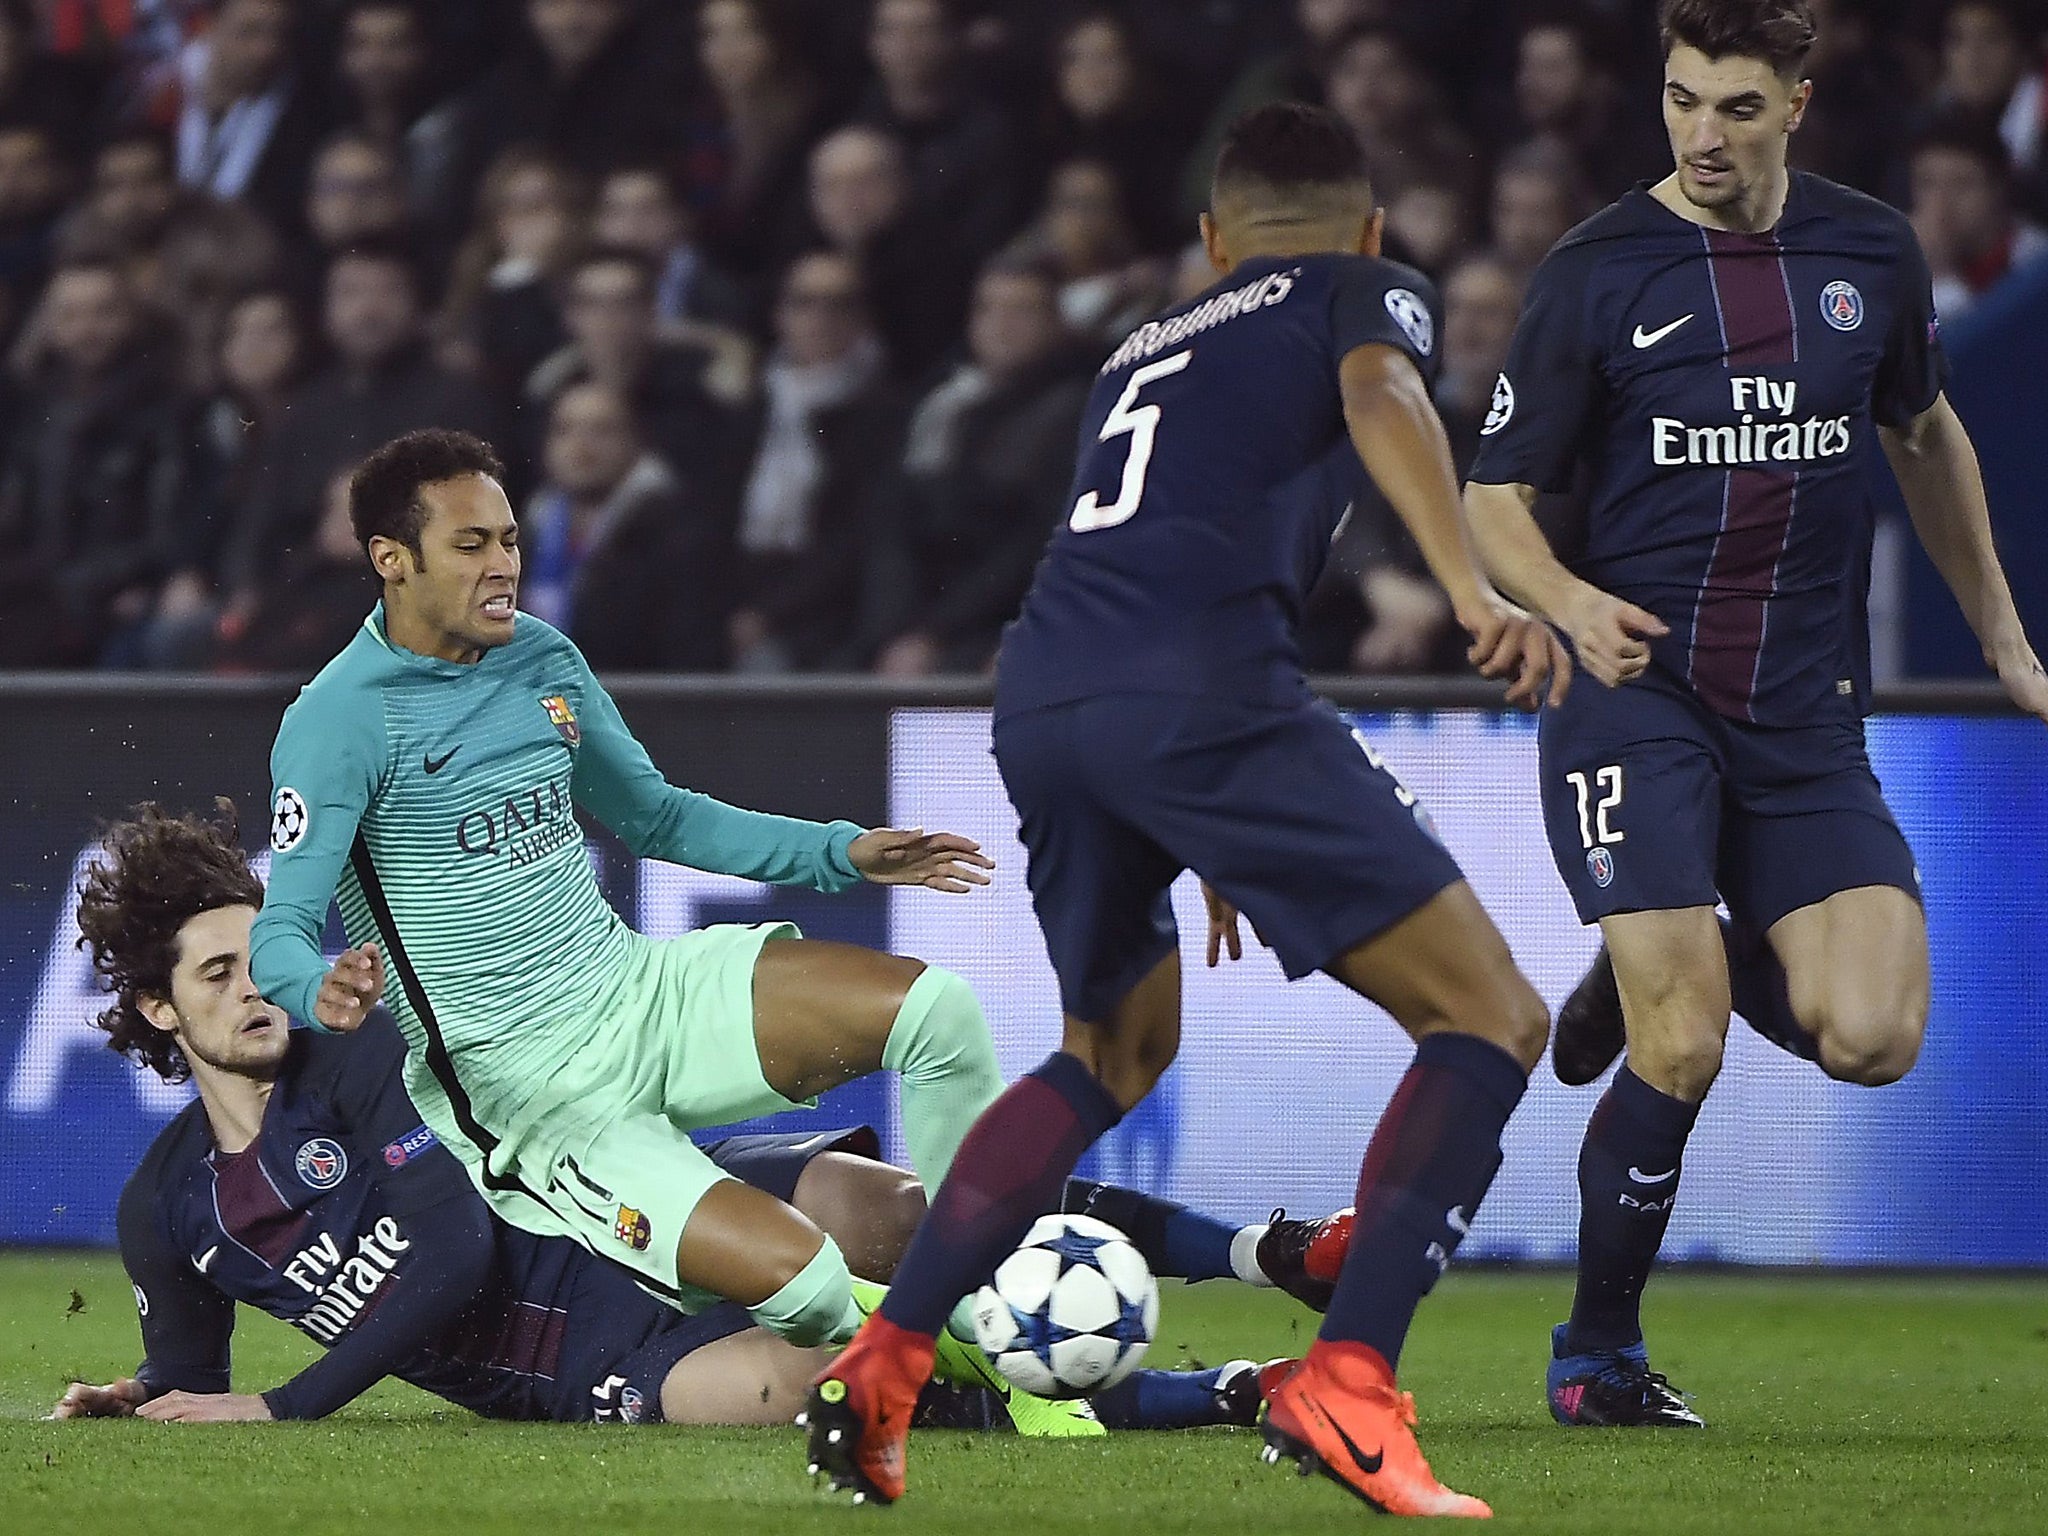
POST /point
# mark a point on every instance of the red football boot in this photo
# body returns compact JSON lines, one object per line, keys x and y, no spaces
{"x":857,"y":1416}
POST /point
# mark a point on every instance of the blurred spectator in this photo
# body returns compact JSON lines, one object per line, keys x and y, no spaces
{"x":32,"y":188}
{"x":744,"y":169}
{"x":1482,"y":302}
{"x":1564,"y":97}
{"x":57,"y":94}
{"x":1538,"y":196}
{"x":1374,"y":80}
{"x":1290,"y":71}
{"x":389,"y":91}
{"x":1105,"y":106}
{"x":187,"y":253}
{"x":916,"y":275}
{"x":577,"y":82}
{"x":314,"y":601}
{"x":263,"y":356}
{"x":380,"y":383}
{"x":499,"y":319}
{"x":964,"y":166}
{"x":830,"y":427}
{"x":1428,"y":224}
{"x":103,"y":493}
{"x":247,"y":127}
{"x":638,"y":210}
{"x":982,"y":484}
{"x":1085,"y":237}
{"x":1962,"y":210}
{"x":683,"y":392}
{"x":614,"y":552}
{"x":1851,"y":130}
{"x":1991,"y":66}
{"x":355,"y":192}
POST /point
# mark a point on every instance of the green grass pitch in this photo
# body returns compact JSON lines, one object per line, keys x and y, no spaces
{"x":1836,"y":1405}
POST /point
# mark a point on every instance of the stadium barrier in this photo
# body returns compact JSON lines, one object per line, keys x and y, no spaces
{"x":1277,"y":1086}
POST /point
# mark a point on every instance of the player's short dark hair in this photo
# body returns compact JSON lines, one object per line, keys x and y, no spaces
{"x":1289,"y":146}
{"x":384,"y":492}
{"x":1780,"y":32}
{"x":159,"y":872}
{"x":1959,"y":131}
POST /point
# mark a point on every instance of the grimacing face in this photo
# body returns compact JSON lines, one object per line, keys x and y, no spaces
{"x":214,"y":1011}
{"x":1728,"y":121}
{"x":460,"y":596}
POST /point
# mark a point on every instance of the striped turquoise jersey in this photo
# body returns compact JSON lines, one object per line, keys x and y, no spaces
{"x":435,"y":801}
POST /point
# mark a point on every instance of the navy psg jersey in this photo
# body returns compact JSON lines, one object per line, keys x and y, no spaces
{"x":1214,"y":467}
{"x":314,"y":1223}
{"x":1722,"y":391}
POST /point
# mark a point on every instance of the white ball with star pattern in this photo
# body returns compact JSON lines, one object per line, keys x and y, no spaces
{"x":1070,"y":1312}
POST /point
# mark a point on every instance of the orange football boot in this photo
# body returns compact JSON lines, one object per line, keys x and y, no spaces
{"x":858,"y":1413}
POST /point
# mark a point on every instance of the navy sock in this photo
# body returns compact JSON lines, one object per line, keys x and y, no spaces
{"x":1429,"y":1165}
{"x":1174,"y":1240}
{"x":1008,"y":1172}
{"x":1628,"y":1180}
{"x":1161,"y":1400}
{"x":1756,"y":983}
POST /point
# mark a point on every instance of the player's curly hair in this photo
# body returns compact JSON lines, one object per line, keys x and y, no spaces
{"x":384,"y":491}
{"x":1780,"y":32}
{"x":159,"y":872}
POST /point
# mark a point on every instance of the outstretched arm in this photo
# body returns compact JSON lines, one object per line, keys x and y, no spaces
{"x":1606,"y":633}
{"x":1400,"y":439}
{"x":1937,"y":470}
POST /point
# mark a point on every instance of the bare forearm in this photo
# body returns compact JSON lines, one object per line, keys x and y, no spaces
{"x":1401,"y":441}
{"x":1937,"y":471}
{"x":1514,"y":551}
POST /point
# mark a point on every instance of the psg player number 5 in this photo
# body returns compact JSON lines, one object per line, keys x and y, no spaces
{"x":1142,"y":423}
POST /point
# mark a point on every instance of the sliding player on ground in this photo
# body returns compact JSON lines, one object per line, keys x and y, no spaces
{"x":1723,"y":351}
{"x":1151,"y":717}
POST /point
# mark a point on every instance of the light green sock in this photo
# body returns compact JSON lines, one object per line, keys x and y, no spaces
{"x":940,"y":1047}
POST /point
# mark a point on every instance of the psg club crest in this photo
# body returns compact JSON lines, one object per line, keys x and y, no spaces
{"x":563,"y":718}
{"x":1841,"y":305}
{"x":1600,"y":865}
{"x":632,"y":1229}
{"x":321,"y":1163}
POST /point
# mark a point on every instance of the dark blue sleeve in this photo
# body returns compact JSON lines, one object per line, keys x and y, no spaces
{"x":447,"y":1266}
{"x":1378,"y":303}
{"x":1915,"y":369}
{"x":186,"y":1322}
{"x":378,"y":1120}
{"x":1545,"y":398}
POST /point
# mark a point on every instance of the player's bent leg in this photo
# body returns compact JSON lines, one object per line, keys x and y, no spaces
{"x":825,"y":1014}
{"x":745,"y":1244}
{"x":1671,"y":969}
{"x":1130,"y":1051}
{"x":869,"y":1209}
{"x":748,"y":1378}
{"x":1856,"y":973}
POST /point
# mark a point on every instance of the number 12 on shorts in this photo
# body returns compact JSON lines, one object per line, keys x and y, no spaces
{"x":1592,"y":813}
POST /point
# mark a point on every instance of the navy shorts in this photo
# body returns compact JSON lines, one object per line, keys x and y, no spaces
{"x":1285,"y":810}
{"x":620,"y":1343}
{"x":1653,"y":802}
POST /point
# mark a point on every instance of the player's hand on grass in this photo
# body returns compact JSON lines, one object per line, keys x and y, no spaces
{"x":2019,"y":670}
{"x":1612,"y":637}
{"x":350,"y":990}
{"x":116,"y":1400}
{"x":941,"y":861}
{"x":1507,"y":642}
{"x":205,"y":1408}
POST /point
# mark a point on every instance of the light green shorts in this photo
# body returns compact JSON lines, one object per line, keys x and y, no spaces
{"x":674,"y":1053}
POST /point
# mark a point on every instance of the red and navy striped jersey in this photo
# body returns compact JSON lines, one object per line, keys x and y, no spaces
{"x":1214,"y":466}
{"x":314,"y":1223}
{"x":1721,"y":392}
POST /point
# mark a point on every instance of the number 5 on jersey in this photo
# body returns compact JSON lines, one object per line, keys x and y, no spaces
{"x":1593,"y":815}
{"x":1142,"y":423}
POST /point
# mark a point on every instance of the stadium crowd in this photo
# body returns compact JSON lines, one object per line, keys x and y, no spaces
{"x":782,"y":312}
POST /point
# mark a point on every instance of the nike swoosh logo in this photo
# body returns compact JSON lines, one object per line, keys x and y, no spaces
{"x":1366,"y":1464}
{"x":201,"y":1261}
{"x":436,"y":764}
{"x":1650,"y":1178}
{"x":1643,"y":338}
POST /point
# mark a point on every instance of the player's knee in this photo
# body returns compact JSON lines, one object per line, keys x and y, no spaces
{"x":812,"y":1304}
{"x":1524,"y":1027}
{"x":1871,"y":1048}
{"x":1684,"y":1067}
{"x":941,"y":1029}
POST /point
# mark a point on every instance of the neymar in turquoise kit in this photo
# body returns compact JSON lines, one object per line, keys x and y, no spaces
{"x":428,"y":780}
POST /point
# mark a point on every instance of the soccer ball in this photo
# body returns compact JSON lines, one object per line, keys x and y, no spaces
{"x":1071,"y":1311}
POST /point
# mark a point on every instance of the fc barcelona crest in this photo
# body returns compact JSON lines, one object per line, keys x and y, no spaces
{"x":632,"y":1229}
{"x":563,"y":718}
